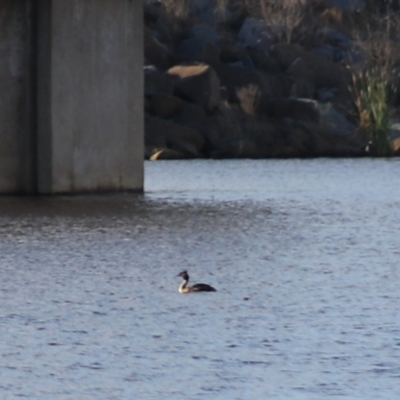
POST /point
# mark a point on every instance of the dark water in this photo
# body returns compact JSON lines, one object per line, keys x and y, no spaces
{"x":304,"y":254}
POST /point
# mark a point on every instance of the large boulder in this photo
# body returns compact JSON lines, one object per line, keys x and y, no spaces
{"x":334,"y":122}
{"x":194,"y":117}
{"x":334,"y":38}
{"x":301,"y":139}
{"x":198,"y":84}
{"x":230,"y":52}
{"x":244,"y":148}
{"x":320,"y":72}
{"x":242,"y":135}
{"x":329,"y":52}
{"x":336,"y":46}
{"x":166,"y":106}
{"x":328,"y":74}
{"x":286,"y":53}
{"x":300,"y":70}
{"x":298,"y":143}
{"x":153,"y":11}
{"x":264,"y":61}
{"x":155,"y":52}
{"x":198,"y":38}
{"x":302,"y":77}
{"x":211,"y":54}
{"x":302,"y":88}
{"x":190,"y":49}
{"x":249,"y":87}
{"x":156,"y":82}
{"x":295,"y":109}
{"x":161,"y":133}
{"x":203,"y":33}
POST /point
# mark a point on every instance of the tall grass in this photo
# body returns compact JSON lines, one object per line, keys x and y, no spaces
{"x":372,"y":99}
{"x":373,"y":87}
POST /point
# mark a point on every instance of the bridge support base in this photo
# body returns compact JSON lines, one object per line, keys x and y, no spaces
{"x":72,"y":96}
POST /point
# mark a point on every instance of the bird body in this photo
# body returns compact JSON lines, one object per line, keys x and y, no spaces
{"x":198,"y":287}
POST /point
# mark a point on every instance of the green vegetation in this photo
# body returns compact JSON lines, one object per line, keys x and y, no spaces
{"x":374,"y":80}
{"x":372,"y":99}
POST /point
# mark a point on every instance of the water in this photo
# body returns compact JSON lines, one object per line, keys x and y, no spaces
{"x":304,"y":254}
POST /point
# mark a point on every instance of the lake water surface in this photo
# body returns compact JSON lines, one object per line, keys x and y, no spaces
{"x":305,"y":255}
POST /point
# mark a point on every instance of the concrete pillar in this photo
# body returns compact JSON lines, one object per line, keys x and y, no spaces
{"x":90,"y":95}
{"x":74,"y":103}
{"x":17,"y":97}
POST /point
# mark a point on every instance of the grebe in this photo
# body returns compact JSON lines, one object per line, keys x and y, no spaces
{"x":198,"y":287}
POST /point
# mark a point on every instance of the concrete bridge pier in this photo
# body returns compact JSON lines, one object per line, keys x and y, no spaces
{"x":73,"y":99}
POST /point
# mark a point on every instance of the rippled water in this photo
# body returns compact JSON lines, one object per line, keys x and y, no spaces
{"x":304,"y":254}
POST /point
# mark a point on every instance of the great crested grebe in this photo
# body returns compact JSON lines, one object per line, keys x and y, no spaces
{"x":198,"y":287}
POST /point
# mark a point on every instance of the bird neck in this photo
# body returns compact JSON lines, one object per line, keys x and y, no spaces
{"x":182,"y":286}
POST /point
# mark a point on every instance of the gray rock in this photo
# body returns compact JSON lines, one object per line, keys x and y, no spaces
{"x":333,"y":121}
{"x":191,"y":49}
{"x":329,"y":52}
{"x":195,"y":118}
{"x":160,"y":133}
{"x":247,"y":62}
{"x":287,"y":53}
{"x":324,"y":95}
{"x":155,"y":52}
{"x":203,"y":33}
{"x":199,"y":37}
{"x":295,"y":109}
{"x":336,"y":46}
{"x":198,"y":84}
{"x":156,"y":81}
{"x":334,"y":38}
{"x":302,"y":88}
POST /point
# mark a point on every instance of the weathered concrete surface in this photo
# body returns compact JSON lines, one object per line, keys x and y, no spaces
{"x":17,"y":169}
{"x":90,"y":96}
{"x":71,"y":96}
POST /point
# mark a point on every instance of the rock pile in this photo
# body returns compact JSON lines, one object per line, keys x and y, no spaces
{"x":221,"y":83}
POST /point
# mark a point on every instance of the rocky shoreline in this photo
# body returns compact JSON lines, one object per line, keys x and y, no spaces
{"x":222,"y":83}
